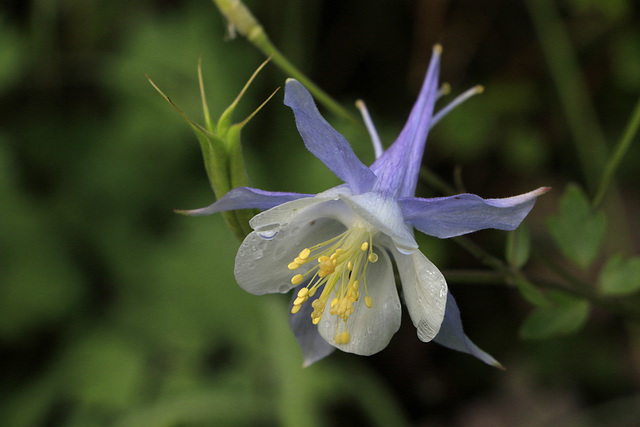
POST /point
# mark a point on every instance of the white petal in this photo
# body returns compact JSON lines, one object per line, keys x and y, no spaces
{"x":261,"y":263}
{"x":283,"y":214}
{"x":322,"y":205}
{"x":386,"y":216}
{"x":425,"y":292}
{"x":370,"y":329}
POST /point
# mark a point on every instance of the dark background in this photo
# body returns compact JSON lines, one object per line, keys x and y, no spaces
{"x":116,"y":311}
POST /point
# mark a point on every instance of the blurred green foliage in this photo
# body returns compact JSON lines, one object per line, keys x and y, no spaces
{"x":116,"y":311}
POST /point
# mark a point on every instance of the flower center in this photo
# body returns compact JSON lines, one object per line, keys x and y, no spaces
{"x":341,"y":267}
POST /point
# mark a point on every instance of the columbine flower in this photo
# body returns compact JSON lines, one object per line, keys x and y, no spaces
{"x":336,"y":247}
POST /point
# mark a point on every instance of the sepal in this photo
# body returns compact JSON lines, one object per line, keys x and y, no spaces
{"x":222,"y":150}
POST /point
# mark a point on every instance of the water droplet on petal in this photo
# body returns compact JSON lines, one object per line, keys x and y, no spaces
{"x":256,"y":253}
{"x":405,"y":250}
{"x":268,"y":234}
{"x":284,"y":289}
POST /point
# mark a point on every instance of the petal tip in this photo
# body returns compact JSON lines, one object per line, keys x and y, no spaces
{"x":539,"y":191}
{"x":183,"y":212}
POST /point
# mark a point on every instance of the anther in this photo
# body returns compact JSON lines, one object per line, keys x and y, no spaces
{"x":373,"y":257}
{"x":304,"y":254}
{"x":368,"y":301}
{"x":299,"y":300}
{"x":342,"y":338}
{"x":293,"y":265}
{"x":297,"y":279}
{"x":364,"y":246}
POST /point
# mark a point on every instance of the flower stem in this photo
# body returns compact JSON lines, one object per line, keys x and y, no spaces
{"x":507,"y":275}
{"x":572,"y":89}
{"x":242,"y":20}
{"x":435,"y":182}
{"x":615,"y":159}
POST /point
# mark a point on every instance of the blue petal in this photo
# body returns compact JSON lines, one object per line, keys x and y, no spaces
{"x":398,"y":167}
{"x":465,"y":213}
{"x":324,"y":141}
{"x":246,"y":198}
{"x":451,"y":335}
{"x":313,"y":346}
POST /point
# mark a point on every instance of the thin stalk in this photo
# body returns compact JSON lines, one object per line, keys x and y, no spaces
{"x":581,"y":117}
{"x":435,"y":182}
{"x":241,"y":18}
{"x":617,"y":156}
{"x":507,"y":275}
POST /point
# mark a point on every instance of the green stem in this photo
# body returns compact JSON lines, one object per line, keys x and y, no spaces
{"x":435,"y":182}
{"x":246,"y":24}
{"x":485,"y":257}
{"x":625,"y":307}
{"x":572,"y":89}
{"x":615,"y":159}
{"x":506,"y":275}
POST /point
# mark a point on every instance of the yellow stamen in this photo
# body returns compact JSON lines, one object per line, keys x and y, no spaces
{"x":342,"y":338}
{"x":368,"y":301}
{"x":293,"y":265}
{"x":339,"y":271}
{"x":304,"y":254}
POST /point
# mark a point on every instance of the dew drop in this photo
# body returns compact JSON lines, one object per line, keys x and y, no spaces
{"x":268,"y":234}
{"x":283,"y":289}
{"x":256,"y":253}
{"x":405,"y":250}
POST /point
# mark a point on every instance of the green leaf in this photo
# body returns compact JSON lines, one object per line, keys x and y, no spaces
{"x":620,"y":276}
{"x":518,"y":246}
{"x":531,"y":293}
{"x":577,"y":230}
{"x":566,"y":315}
